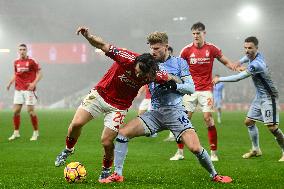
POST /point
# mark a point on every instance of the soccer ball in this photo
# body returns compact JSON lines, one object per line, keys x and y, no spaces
{"x":75,"y":172}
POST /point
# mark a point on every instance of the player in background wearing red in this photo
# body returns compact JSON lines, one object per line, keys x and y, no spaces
{"x":112,"y":96}
{"x":200,"y":56}
{"x":27,"y":74}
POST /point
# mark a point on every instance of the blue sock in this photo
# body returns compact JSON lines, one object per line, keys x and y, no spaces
{"x":254,"y":136}
{"x":120,"y":152}
{"x":204,"y":159}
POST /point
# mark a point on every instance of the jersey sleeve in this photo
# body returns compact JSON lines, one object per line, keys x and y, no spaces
{"x":121,"y":56}
{"x":217,"y":52}
{"x":244,"y":59}
{"x":184,"y":68}
{"x":254,"y":68}
{"x":36,"y":66}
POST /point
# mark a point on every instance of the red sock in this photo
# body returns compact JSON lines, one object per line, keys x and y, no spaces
{"x":34,"y":122}
{"x":17,"y":121}
{"x":70,"y":142}
{"x":107,"y":163}
{"x":212,"y":137}
{"x":180,"y":145}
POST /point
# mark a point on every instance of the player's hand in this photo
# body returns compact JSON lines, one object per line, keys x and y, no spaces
{"x":215,"y":80}
{"x":174,"y":78}
{"x":8,"y":87}
{"x":31,"y":86}
{"x":241,"y":68}
{"x":162,"y":77}
{"x":83,"y":30}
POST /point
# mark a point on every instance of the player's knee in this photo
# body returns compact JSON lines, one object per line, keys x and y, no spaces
{"x":272,"y":128}
{"x":76,"y":124}
{"x":106,"y":142}
{"x":248,"y":122}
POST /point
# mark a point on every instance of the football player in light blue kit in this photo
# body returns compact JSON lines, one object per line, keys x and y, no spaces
{"x":218,"y":91}
{"x":167,"y":111}
{"x":264,"y":105}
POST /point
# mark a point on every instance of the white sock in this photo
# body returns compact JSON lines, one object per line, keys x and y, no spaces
{"x":16,"y":132}
{"x":35,"y":133}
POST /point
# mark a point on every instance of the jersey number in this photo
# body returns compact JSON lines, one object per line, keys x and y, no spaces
{"x":267,"y":113}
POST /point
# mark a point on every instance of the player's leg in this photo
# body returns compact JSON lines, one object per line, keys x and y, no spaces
{"x":270,"y":115}
{"x":17,"y":107}
{"x":17,"y":121}
{"x":34,"y":120}
{"x":112,"y":122}
{"x":191,"y":140}
{"x":30,"y":101}
{"x":205,"y":100}
{"x":146,"y":124}
{"x":89,"y":109}
{"x":278,"y":134}
{"x":253,"y":115}
{"x":190,"y":104}
{"x":80,"y":118}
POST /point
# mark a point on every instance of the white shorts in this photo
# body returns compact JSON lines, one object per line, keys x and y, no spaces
{"x":95,"y":105}
{"x":25,"y":97}
{"x":145,"y":104}
{"x":202,"y":98}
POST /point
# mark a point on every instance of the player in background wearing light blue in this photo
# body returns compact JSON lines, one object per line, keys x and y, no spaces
{"x":218,"y":95}
{"x":167,"y":112}
{"x":264,"y":106}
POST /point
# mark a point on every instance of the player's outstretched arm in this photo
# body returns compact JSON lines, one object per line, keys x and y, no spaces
{"x":229,"y":64}
{"x":93,"y":40}
{"x":232,"y":78}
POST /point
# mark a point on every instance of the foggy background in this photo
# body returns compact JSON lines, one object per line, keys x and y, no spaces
{"x":126,"y":23}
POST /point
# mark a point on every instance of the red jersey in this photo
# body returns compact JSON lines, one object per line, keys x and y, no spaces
{"x":25,"y":72}
{"x":200,"y":61}
{"x":147,"y":92}
{"x":120,"y":85}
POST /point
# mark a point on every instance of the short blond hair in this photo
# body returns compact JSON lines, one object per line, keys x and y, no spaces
{"x":157,"y":37}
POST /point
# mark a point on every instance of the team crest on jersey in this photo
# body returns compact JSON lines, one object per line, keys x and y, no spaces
{"x":207,"y":53}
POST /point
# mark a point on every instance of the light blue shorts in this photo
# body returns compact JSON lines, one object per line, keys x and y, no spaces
{"x":218,"y":103}
{"x":166,"y":118}
{"x":264,"y":110}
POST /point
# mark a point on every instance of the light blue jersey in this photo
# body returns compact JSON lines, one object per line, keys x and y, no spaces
{"x":261,"y":76}
{"x":164,"y":97}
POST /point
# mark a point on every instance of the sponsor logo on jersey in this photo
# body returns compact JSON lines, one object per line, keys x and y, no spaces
{"x":22,"y":69}
{"x":123,"y":78}
{"x":200,"y":60}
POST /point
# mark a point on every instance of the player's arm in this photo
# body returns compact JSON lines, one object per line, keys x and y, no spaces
{"x":228,"y":63}
{"x":187,"y":86}
{"x":95,"y":41}
{"x":11,"y":82}
{"x":232,"y":78}
{"x":37,"y":79}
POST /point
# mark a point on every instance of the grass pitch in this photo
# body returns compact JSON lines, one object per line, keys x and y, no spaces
{"x":26,"y":164}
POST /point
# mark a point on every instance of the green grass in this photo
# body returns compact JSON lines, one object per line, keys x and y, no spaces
{"x":25,"y":164}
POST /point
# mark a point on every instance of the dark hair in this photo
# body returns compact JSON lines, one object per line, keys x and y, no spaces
{"x":217,"y":75}
{"x":252,"y":39}
{"x":198,"y":26}
{"x":23,"y":45}
{"x":170,"y":49}
{"x":148,"y":65}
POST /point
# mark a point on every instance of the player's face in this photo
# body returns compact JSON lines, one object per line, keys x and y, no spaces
{"x":250,"y":50}
{"x":22,"y":52}
{"x":198,"y":36}
{"x":159,"y":51}
{"x":138,"y":71}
